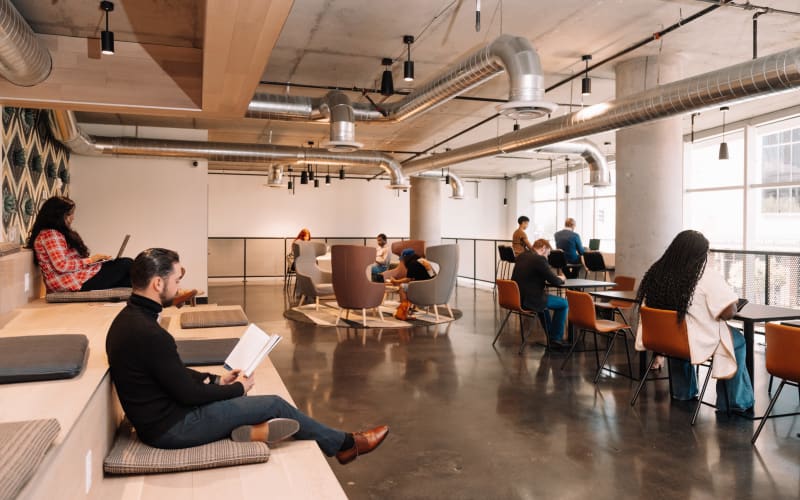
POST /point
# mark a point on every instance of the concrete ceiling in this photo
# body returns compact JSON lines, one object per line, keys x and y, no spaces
{"x":195,"y":64}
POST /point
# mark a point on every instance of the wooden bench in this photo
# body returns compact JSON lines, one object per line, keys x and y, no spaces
{"x":89,"y":413}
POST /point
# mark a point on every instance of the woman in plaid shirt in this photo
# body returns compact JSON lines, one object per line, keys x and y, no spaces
{"x":63,"y":256}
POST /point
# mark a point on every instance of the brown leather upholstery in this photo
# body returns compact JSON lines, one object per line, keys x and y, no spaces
{"x":508,"y":296}
{"x":783,"y":351}
{"x":417,"y":245}
{"x":623,"y":284}
{"x":662,"y":333}
{"x":582,"y":315}
{"x":351,"y":285}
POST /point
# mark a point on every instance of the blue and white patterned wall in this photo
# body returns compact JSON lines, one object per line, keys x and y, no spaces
{"x":34,"y":167}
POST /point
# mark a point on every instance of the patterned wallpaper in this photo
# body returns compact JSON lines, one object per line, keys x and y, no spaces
{"x":34,"y":167}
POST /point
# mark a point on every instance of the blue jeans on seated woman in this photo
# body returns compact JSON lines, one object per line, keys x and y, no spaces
{"x":560,"y":308}
{"x":217,"y":420}
{"x":739,"y":388}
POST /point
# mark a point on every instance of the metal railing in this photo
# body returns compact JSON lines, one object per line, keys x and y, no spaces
{"x":762,"y":277}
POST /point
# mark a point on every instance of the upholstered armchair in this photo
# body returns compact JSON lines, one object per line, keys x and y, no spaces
{"x":437,"y":290}
{"x":312,"y":282}
{"x":352,"y":285}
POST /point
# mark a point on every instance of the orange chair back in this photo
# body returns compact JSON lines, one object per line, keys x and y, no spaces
{"x":581,"y":310}
{"x":624,"y":283}
{"x":662,"y":333}
{"x":783,"y":351}
{"x":508,"y":295}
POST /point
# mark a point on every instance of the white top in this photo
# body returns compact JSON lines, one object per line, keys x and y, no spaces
{"x":381,"y":254}
{"x":709,"y":336}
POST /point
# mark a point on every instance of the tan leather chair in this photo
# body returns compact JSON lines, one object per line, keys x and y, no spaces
{"x":417,"y":245}
{"x":582,"y":316}
{"x":662,"y":334}
{"x":352,"y":286}
{"x":508,"y":298}
{"x":783,"y":351}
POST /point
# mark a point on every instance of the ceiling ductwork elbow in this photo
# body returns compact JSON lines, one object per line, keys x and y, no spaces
{"x":337,"y":107}
{"x":525,"y":78}
{"x":24,"y":61}
{"x":275,"y":176}
{"x":599,"y":173}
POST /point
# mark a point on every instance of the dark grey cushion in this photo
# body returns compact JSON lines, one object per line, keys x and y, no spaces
{"x":205,"y":351}
{"x":212,"y":319}
{"x":42,"y":357}
{"x":23,"y":446}
{"x":109,"y":295}
{"x":131,"y":456}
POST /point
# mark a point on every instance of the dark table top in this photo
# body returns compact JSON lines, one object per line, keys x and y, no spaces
{"x":581,"y":283}
{"x":760,"y":312}
{"x":624,"y":295}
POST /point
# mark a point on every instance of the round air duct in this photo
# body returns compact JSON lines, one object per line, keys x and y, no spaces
{"x":275,"y":176}
{"x":526,"y":110}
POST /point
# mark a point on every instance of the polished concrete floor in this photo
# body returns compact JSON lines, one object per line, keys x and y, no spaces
{"x":470,"y":421}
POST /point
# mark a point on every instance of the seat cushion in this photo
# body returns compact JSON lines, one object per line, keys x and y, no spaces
{"x":109,"y":295}
{"x":205,"y":352}
{"x":213,"y":319}
{"x":42,"y":357}
{"x":131,"y":456}
{"x":23,"y":446}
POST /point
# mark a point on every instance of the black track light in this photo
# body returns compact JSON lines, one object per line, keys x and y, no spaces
{"x":408,"y":65}
{"x":387,"y":80}
{"x":586,"y":82}
{"x":341,"y":173}
{"x":107,"y":37}
{"x":303,"y":177}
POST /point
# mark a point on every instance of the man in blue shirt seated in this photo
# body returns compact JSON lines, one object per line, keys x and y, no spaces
{"x":570,"y":242}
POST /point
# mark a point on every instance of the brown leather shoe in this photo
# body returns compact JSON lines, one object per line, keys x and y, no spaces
{"x":184,"y":297}
{"x":365,"y":442}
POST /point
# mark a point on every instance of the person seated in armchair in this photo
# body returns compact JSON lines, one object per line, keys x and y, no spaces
{"x":417,"y":269}
{"x":381,"y":259}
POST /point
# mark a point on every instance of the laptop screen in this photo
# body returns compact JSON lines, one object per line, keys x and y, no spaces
{"x":124,"y":244}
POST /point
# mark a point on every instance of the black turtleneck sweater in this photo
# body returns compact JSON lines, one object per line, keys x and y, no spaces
{"x":155,"y":388}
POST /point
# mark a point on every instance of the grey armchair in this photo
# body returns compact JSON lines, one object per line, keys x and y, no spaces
{"x":351,"y":284}
{"x":437,"y":290}
{"x":312,"y":282}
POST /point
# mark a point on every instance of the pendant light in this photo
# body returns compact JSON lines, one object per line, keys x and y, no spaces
{"x":586,"y":82}
{"x":328,"y":177}
{"x":303,"y":177}
{"x":341,"y":173}
{"x":316,"y":178}
{"x":107,"y":37}
{"x":408,"y":65}
{"x":387,"y":80}
{"x":723,"y":146}
{"x":505,"y":190}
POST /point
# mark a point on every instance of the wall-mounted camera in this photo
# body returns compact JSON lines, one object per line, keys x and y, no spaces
{"x":195,"y":163}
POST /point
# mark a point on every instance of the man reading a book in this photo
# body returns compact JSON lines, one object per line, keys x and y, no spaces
{"x":172,"y":406}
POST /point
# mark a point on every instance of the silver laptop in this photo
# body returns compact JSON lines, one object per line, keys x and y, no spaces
{"x":124,"y":244}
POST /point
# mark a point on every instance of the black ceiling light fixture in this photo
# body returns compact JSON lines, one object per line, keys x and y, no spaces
{"x":516,"y":125}
{"x":723,"y":146}
{"x":304,"y":177}
{"x":316,"y":177}
{"x":387,"y":80}
{"x":107,"y":37}
{"x":408,"y":65}
{"x":586,"y":82}
{"x":341,"y":173}
{"x":328,"y":177}
{"x":505,"y":190}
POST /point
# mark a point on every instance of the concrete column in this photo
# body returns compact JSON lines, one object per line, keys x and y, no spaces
{"x":649,"y":172}
{"x":426,"y":210}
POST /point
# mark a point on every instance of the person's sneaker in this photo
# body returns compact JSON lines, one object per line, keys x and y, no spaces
{"x":270,"y":432}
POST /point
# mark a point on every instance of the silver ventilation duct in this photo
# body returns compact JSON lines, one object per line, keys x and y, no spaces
{"x":514,"y":55}
{"x":456,"y":184}
{"x":24,"y":61}
{"x":336,"y":106}
{"x":66,"y":130}
{"x":599,"y":173}
{"x":756,"y":78}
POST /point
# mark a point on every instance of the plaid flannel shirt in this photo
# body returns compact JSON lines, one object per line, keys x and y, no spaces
{"x":63,"y":269}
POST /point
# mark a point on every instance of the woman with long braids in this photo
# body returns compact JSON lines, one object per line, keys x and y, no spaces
{"x":680,"y":281}
{"x":63,"y":256}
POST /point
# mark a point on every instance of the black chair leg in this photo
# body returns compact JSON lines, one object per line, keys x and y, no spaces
{"x":702,"y":392}
{"x":572,"y":349}
{"x":644,"y":379}
{"x":501,"y":328}
{"x":605,"y":358}
{"x":628,"y":353}
{"x":769,"y":410}
{"x":524,"y":337}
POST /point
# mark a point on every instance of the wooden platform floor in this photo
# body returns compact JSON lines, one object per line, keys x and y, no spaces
{"x":468,"y":421}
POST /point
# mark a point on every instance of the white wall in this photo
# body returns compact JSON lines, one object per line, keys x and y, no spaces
{"x":159,"y":202}
{"x":240,"y":205}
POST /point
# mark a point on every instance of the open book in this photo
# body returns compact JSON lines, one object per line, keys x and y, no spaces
{"x":251,"y":349}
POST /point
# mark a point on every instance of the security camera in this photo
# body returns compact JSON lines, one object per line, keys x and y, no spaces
{"x":195,"y":163}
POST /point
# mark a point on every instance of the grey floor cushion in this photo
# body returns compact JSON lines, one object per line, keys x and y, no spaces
{"x":205,"y":352}
{"x":23,"y":446}
{"x":42,"y":357}
{"x":109,"y":295}
{"x":212,"y":319}
{"x":131,"y":456}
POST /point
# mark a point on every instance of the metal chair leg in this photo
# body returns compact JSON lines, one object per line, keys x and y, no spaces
{"x":627,"y":353}
{"x":572,"y":349}
{"x":501,"y":328}
{"x":700,"y":400}
{"x":605,"y":358}
{"x":769,"y":410}
{"x":644,"y":379}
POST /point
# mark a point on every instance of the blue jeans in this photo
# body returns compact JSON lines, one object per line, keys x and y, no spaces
{"x":739,"y":388}
{"x":217,"y":420}
{"x":377,"y":269}
{"x":560,"y":309}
